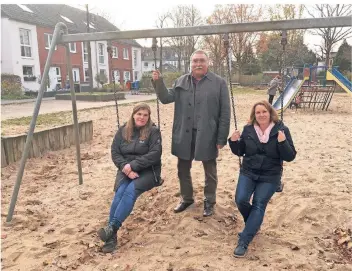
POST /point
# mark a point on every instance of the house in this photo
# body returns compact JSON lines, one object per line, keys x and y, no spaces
{"x":271,"y":74}
{"x":137,"y":63}
{"x":170,"y":57}
{"x":169,"y":68}
{"x":27,"y":35}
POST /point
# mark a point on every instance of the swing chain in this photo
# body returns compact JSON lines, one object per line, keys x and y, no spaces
{"x":283,"y":43}
{"x":154,"y":48}
{"x":227,"y":45}
{"x":109,"y":49}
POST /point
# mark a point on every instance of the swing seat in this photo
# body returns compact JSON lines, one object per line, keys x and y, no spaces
{"x":160,"y":182}
{"x":280,"y":188}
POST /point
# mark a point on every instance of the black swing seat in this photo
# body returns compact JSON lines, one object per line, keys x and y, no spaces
{"x":280,"y":188}
{"x":160,"y":182}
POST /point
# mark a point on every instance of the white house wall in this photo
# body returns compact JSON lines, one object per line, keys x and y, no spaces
{"x":99,"y":66}
{"x":12,"y":61}
{"x":138,"y":67}
{"x":6,"y":55}
{"x":150,"y":66}
{"x":96,"y":66}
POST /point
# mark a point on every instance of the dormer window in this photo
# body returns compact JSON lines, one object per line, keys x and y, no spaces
{"x":90,"y":25}
{"x":25,"y":8}
{"x":66,"y":19}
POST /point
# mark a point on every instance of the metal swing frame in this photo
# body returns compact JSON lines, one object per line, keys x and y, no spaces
{"x":61,"y":37}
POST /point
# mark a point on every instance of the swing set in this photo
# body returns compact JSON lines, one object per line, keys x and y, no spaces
{"x":61,"y":37}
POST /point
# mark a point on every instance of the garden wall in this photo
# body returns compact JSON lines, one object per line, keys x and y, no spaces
{"x":53,"y":139}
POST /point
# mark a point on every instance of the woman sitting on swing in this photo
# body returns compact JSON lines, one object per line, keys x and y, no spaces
{"x":136,"y":152}
{"x":264,"y":144}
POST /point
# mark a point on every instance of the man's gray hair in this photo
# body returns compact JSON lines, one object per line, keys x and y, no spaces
{"x":199,"y":51}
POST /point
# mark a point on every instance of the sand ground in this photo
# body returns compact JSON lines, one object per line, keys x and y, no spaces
{"x":55,"y":221}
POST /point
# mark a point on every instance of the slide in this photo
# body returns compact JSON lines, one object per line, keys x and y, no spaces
{"x":341,"y":80}
{"x":289,"y":93}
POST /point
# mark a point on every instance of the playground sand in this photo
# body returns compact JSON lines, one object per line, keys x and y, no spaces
{"x":56,"y":219}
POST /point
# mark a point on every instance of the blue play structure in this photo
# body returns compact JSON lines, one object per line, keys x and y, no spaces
{"x":315,"y":86}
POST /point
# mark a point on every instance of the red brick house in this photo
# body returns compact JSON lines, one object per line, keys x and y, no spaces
{"x":44,"y":17}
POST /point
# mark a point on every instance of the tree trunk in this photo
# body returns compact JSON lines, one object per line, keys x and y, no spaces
{"x":327,"y":54}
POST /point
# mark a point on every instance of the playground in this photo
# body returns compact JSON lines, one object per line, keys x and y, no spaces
{"x":66,"y":194}
{"x":54,"y":227}
{"x":311,"y":93}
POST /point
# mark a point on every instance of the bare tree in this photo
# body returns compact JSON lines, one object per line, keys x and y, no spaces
{"x":161,"y":22}
{"x":295,"y":47}
{"x":243,"y":14}
{"x":239,"y":41}
{"x":182,"y":16}
{"x":287,"y":12}
{"x":330,"y":35}
{"x":193,"y":18}
{"x":214,"y":43}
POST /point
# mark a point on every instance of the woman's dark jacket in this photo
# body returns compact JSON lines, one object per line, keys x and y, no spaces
{"x":144,"y":157}
{"x":263,"y":159}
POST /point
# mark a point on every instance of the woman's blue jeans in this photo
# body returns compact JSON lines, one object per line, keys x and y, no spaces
{"x":253,"y":214}
{"x":123,"y":202}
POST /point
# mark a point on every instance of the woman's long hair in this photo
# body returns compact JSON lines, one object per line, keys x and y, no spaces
{"x":273,"y":115}
{"x":130,"y":126}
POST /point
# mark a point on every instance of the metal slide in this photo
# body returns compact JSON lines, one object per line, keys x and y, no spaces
{"x":289,"y":93}
{"x":341,"y":80}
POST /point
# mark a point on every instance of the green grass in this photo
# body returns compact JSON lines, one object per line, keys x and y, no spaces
{"x":245,"y":90}
{"x":16,"y":97}
{"x":51,"y":119}
{"x":45,"y":119}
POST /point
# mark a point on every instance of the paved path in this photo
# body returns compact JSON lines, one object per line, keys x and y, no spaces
{"x":49,"y":105}
{"x":24,"y":101}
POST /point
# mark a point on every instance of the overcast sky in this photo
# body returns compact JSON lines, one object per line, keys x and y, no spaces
{"x":142,"y":14}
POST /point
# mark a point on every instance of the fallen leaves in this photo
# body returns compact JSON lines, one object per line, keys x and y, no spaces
{"x":343,"y":239}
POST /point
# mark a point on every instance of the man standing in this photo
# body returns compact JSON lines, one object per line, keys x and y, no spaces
{"x":201,"y":125}
{"x":273,"y":85}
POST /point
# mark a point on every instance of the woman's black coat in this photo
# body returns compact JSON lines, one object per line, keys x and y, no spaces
{"x":144,"y":156}
{"x":263,"y":159}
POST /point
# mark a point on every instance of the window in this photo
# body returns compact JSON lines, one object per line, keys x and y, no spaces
{"x":135,"y":57}
{"x":125,"y":53}
{"x":101,"y":53}
{"x":27,"y":70}
{"x":66,"y":19}
{"x":75,"y":72}
{"x":25,"y":8}
{"x":102,"y":73}
{"x":116,"y":75}
{"x":126,"y":75}
{"x":135,"y":75}
{"x":58,"y":72}
{"x":48,"y":40}
{"x":115,"y":53}
{"x":28,"y":73}
{"x":85,"y":52}
{"x":58,"y":75}
{"x":86,"y":74}
{"x":145,"y":64}
{"x":90,"y":25}
{"x":25,"y":41}
{"x":72,"y":47}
